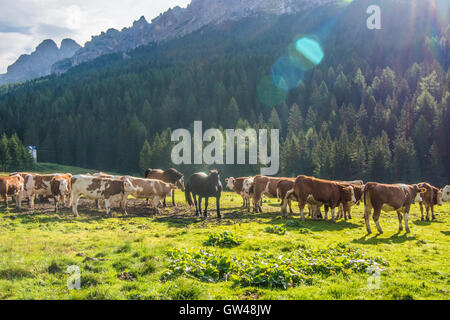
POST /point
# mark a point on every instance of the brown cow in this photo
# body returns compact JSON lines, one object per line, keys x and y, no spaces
{"x":61,"y":187}
{"x":169,"y":176}
{"x":283,"y":188}
{"x":329,"y":193}
{"x":389,"y":197}
{"x":11,"y":186}
{"x":431,"y":197}
{"x":263,"y":185}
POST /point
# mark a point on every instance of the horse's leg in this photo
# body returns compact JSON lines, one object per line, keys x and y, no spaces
{"x":200,"y":204}
{"x":195,"y":202}
{"x":205,"y":213}
{"x":218,"y":206}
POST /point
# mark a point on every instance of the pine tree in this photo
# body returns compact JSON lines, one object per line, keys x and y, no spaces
{"x":145,"y":157}
{"x":5,"y":157}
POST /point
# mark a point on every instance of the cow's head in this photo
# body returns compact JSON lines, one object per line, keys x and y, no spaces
{"x":230,"y":183}
{"x":418,"y":190}
{"x":347,"y":194}
{"x":247,"y":185}
{"x":63,"y":186}
{"x":127,"y":186}
{"x":446,"y":194}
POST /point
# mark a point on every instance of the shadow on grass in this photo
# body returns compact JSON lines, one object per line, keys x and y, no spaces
{"x":447,"y":233}
{"x":425,"y":223}
{"x":375,"y":239}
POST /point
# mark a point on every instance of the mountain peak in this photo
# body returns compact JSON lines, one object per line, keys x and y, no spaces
{"x":39,"y":62}
{"x":47,"y":44}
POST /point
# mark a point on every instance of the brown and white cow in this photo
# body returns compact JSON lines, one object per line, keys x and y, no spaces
{"x":153,"y":189}
{"x":61,"y":186}
{"x":389,"y":197}
{"x":94,"y":188}
{"x":346,"y":208}
{"x":169,"y":176}
{"x":237,"y":185}
{"x":431,"y":197}
{"x":12,"y":186}
{"x":326,"y":192}
{"x":267,"y":186}
{"x":36,"y":185}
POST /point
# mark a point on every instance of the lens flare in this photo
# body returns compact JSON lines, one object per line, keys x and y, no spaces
{"x":287,"y":72}
{"x":269,"y":94}
{"x":310,"y":49}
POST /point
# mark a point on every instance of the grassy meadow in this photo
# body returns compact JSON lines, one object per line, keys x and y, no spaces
{"x":128,"y":257}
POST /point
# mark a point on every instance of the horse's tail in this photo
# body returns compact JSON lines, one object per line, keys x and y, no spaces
{"x":187,"y":194}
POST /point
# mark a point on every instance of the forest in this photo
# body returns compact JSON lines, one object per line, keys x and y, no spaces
{"x":376,"y":108}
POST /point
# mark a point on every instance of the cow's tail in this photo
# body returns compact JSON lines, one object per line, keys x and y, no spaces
{"x":187,"y":194}
{"x":365,"y":191}
{"x":289,"y":193}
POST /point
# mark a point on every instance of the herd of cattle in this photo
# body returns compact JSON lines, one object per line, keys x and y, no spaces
{"x":66,"y":190}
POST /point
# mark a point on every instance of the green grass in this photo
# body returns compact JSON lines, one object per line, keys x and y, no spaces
{"x":127,"y":257}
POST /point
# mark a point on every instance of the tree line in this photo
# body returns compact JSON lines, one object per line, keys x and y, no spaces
{"x":14,"y":156}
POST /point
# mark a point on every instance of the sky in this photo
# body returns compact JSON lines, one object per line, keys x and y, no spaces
{"x":26,"y":23}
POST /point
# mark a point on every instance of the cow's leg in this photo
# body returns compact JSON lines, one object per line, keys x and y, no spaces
{"x":290,"y":206}
{"x":155,"y":202}
{"x":341,"y":212}
{"x":349,"y":211}
{"x":218,"y":207}
{"x":301,"y":206}
{"x":108,"y":207}
{"x":123,"y":205}
{"x":205,"y":213}
{"x":326,"y":212}
{"x":432,"y":213}
{"x":376,"y":219}
{"x":5,"y":197}
{"x":427,"y":208}
{"x":367,"y":212}
{"x":75,"y":205}
{"x":19,"y":200}
{"x":400,"y":218}
{"x":164,"y":203}
{"x":56,"y":203}
{"x":332,"y":214}
{"x":421,"y":211}
{"x":32,"y":198}
{"x":407,"y":219}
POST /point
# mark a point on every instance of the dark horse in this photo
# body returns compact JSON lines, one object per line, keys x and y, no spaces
{"x":204,"y":186}
{"x":169,"y":176}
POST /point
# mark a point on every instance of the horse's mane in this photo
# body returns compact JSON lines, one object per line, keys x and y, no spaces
{"x":174,"y":174}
